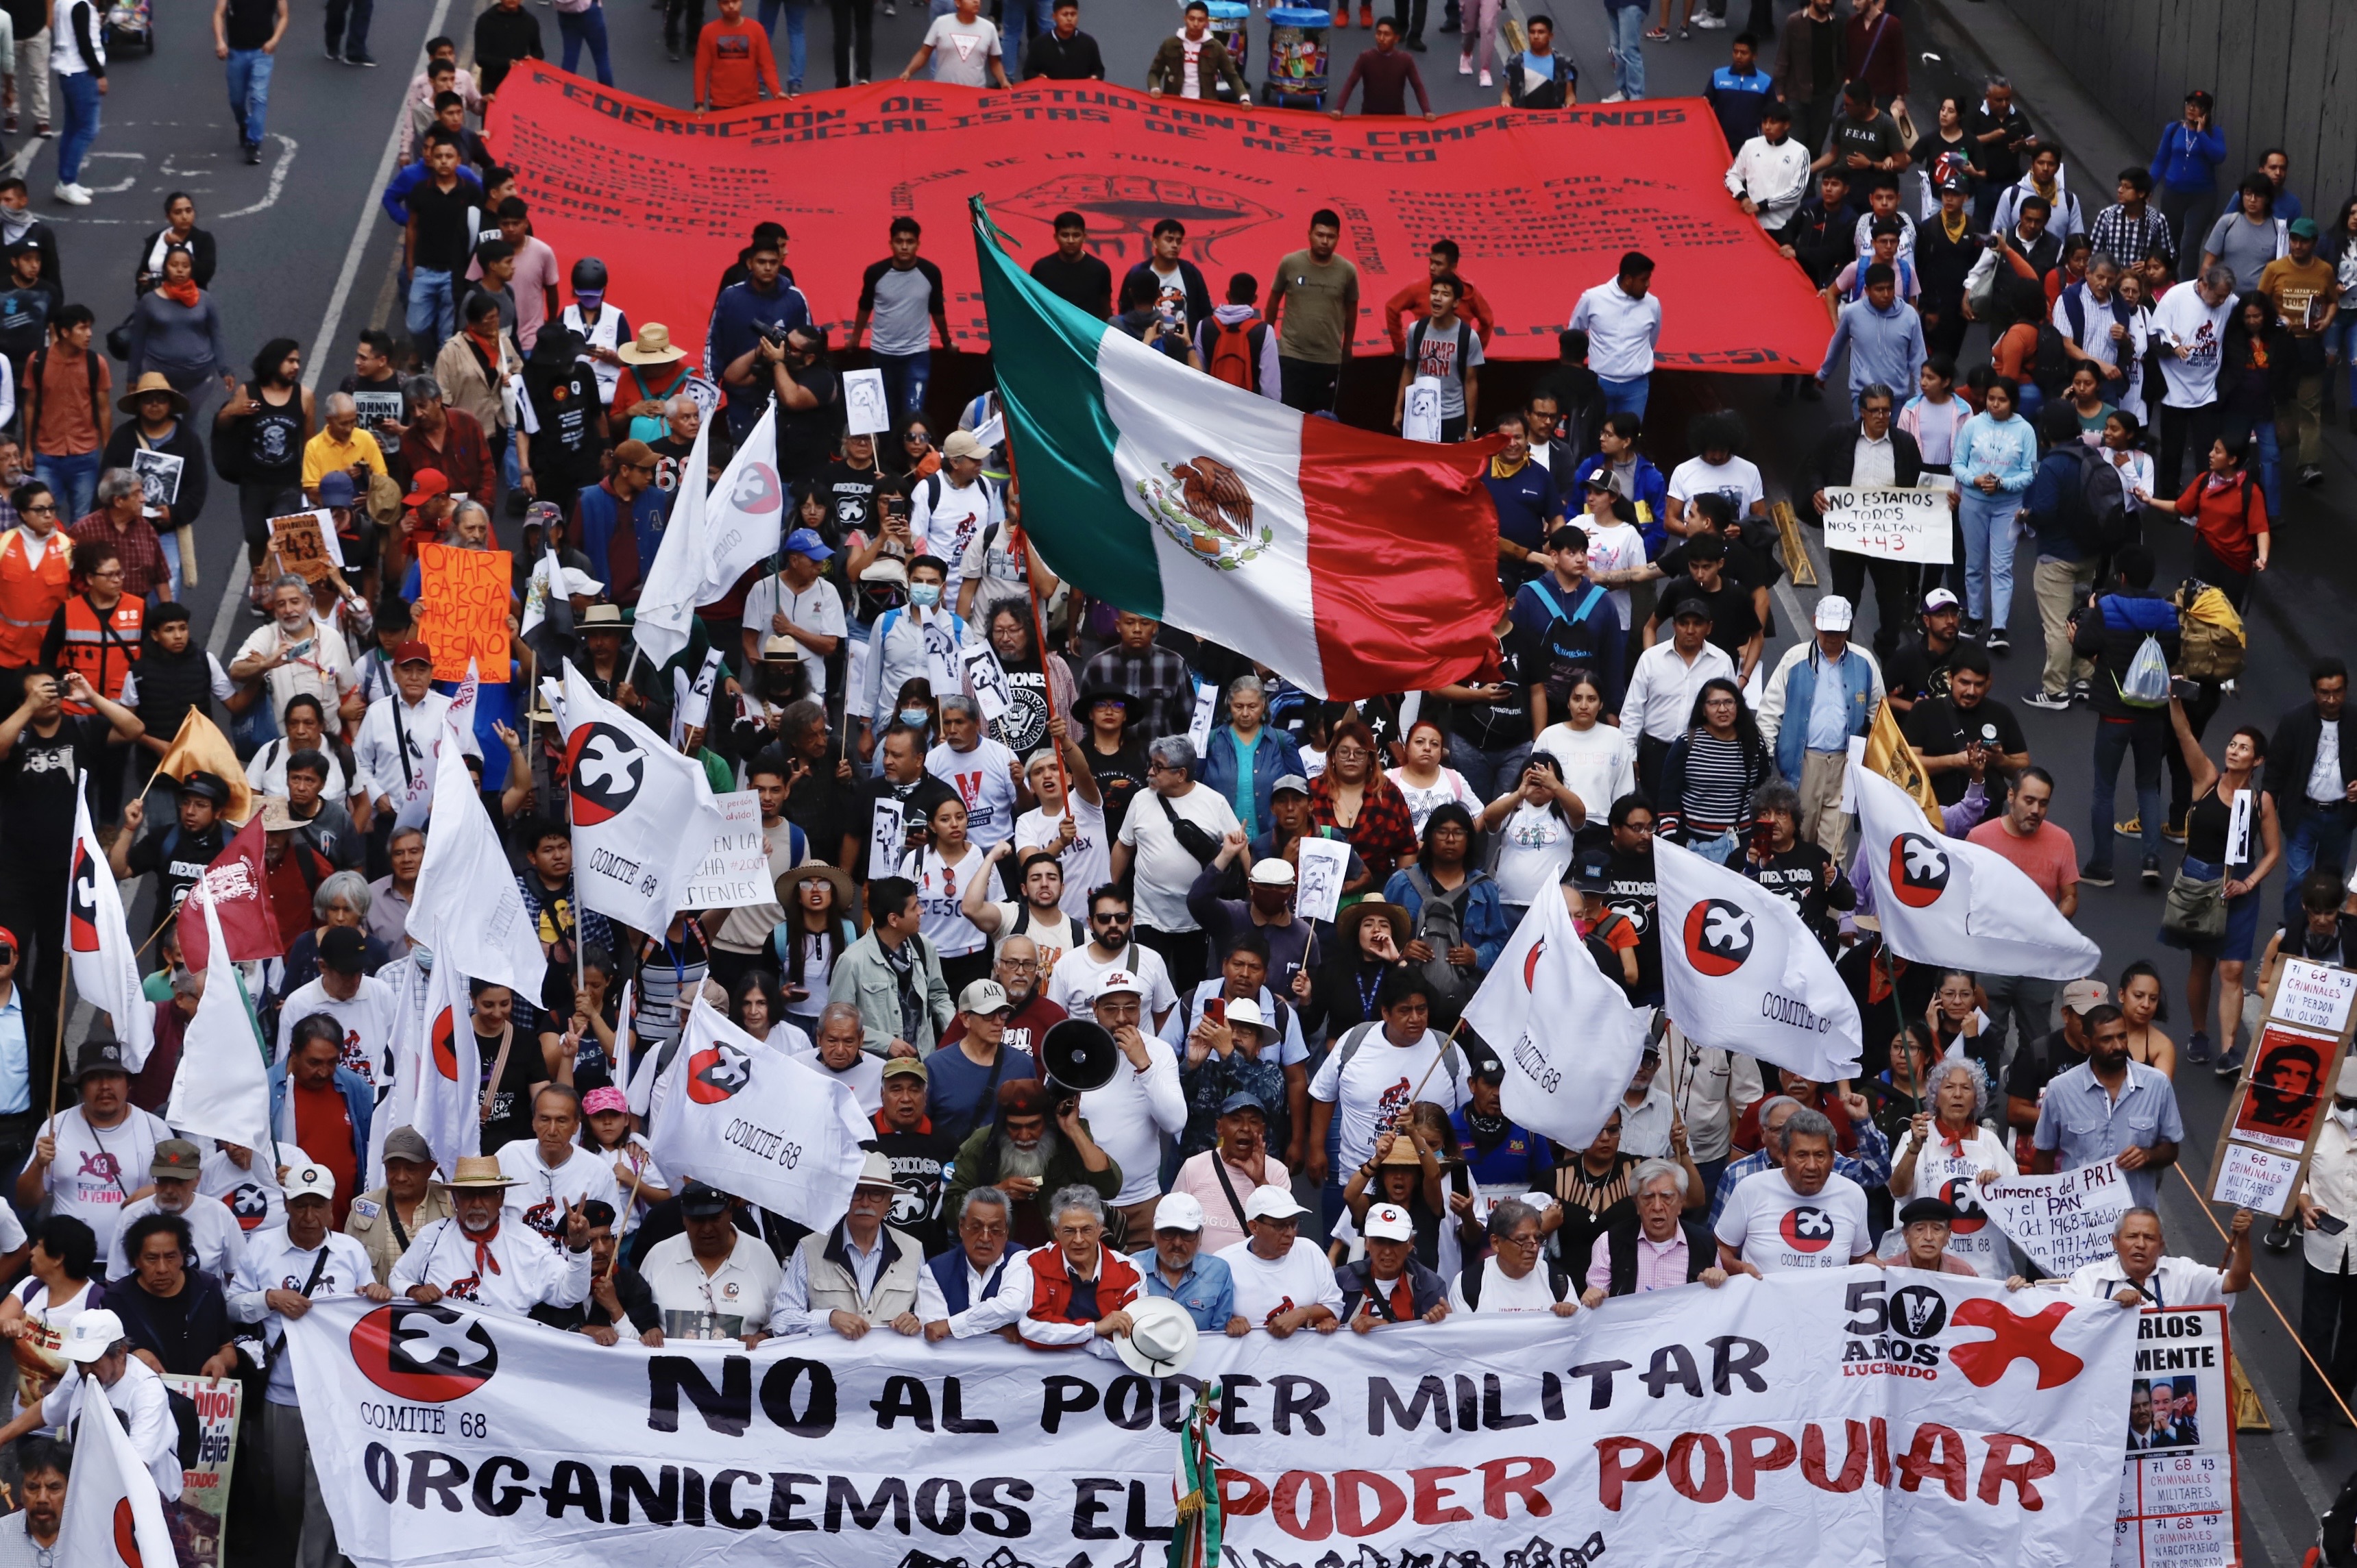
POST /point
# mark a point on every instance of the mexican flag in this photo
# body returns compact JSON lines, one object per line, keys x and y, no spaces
{"x":1351,"y":564}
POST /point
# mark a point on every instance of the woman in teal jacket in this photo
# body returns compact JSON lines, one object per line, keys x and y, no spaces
{"x":1996,"y":457}
{"x":1243,"y":756}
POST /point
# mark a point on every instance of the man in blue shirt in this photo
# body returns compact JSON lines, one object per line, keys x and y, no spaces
{"x":766,"y":304}
{"x":1739,"y":91}
{"x":2110,"y":1107}
{"x":1176,"y":1269}
{"x":1529,"y":505}
{"x":17,"y":1123}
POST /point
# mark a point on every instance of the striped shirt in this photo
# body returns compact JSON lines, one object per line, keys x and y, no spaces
{"x":1718,"y":786}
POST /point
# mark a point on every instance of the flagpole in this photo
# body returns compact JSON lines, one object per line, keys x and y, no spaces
{"x":1021,"y":538}
{"x":56,"y":1056}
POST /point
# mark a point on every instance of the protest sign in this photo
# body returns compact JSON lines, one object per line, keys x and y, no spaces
{"x":462,"y":609}
{"x":1420,"y":413}
{"x":866,"y":412}
{"x":2279,"y":1107}
{"x":1324,"y":866}
{"x":1889,"y":522}
{"x":888,"y":837}
{"x":2062,"y":1221}
{"x":299,"y":544}
{"x":204,"y":1485}
{"x":2179,"y":1488}
{"x":1199,"y":727}
{"x":2314,"y":995}
{"x":1840,"y":1416}
{"x":988,"y":678}
{"x":2285,"y":1090}
{"x":160,"y":478}
{"x":2256,"y":1179}
{"x":735,"y":873}
{"x":378,"y":409}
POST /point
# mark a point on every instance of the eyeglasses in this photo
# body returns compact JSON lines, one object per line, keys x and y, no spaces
{"x":1529,"y":1241}
{"x":1109,"y":919}
{"x":1019,"y":965}
{"x":38,"y":506}
{"x":114,"y":575}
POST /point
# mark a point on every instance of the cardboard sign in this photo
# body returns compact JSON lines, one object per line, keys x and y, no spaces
{"x":2279,"y":1107}
{"x":2314,"y":995}
{"x":735,"y":872}
{"x":1891,"y":524}
{"x":867,"y":410}
{"x":1325,"y":866}
{"x":2062,"y":1221}
{"x":2256,"y":1179}
{"x":2286,"y":1092}
{"x":204,"y":1485}
{"x":462,"y":608}
{"x":300,"y":544}
{"x":2178,"y":1488}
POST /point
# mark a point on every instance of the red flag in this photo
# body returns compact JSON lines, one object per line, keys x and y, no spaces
{"x":237,"y":881}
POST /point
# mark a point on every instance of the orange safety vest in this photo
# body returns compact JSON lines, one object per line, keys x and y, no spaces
{"x":30,"y":595}
{"x":104,"y":648}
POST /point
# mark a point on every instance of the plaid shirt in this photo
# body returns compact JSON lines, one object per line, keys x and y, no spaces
{"x":1157,"y":678}
{"x":1384,"y":834}
{"x":135,"y":547}
{"x":2129,"y":241}
{"x":465,"y":458}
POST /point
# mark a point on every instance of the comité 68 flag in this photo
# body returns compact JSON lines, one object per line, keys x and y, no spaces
{"x":1349,"y":561}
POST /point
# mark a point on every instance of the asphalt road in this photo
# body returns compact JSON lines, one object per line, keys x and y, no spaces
{"x":304,"y":253}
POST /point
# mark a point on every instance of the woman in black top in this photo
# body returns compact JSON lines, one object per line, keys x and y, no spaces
{"x":2211,"y":855}
{"x":179,"y":232}
{"x":260,"y":430}
{"x":1708,"y":777}
{"x":1946,"y":139}
{"x":1802,"y":874}
{"x":1117,"y":761}
{"x":2258,"y":373}
{"x":535,"y":1054}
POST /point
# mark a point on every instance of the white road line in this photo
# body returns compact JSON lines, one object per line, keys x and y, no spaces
{"x":323,"y":341}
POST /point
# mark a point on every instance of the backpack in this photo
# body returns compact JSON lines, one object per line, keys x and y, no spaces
{"x":1607,"y":957}
{"x":1452,"y":1061}
{"x":1440,"y":925}
{"x":2050,"y":365}
{"x":2212,"y":646}
{"x":2107,"y":525}
{"x":1235,"y":352}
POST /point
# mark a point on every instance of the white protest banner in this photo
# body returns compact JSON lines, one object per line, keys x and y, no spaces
{"x":466,"y":904}
{"x":1569,"y":1038}
{"x":1420,"y":414}
{"x":204,"y":1485}
{"x":105,"y":964}
{"x":735,"y":872}
{"x":732,"y":1110}
{"x":2257,"y":1179}
{"x":1892,"y":523}
{"x":642,"y":814}
{"x":675,"y":579}
{"x":2178,"y":1487}
{"x":988,"y":678}
{"x":1843,"y":1416}
{"x":2064,"y":1222}
{"x":113,"y":1513}
{"x":2315,"y":996}
{"x":888,"y":836}
{"x":867,"y":410}
{"x":1199,"y":727}
{"x":745,"y":515}
{"x":446,"y":1072}
{"x":1324,"y":866}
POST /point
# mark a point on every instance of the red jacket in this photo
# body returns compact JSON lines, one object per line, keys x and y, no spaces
{"x":1052,"y":1284}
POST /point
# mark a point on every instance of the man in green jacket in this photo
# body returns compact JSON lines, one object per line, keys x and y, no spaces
{"x":893,"y":976}
{"x":1028,"y":1161}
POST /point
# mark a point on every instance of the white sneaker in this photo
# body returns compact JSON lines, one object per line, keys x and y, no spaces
{"x":1485,"y":79}
{"x":1464,"y":65}
{"x":1616,"y":97}
{"x":1708,"y":23}
{"x":74,"y":195}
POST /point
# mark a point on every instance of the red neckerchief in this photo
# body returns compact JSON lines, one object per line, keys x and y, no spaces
{"x":1954,"y":1141}
{"x":483,"y":1259}
{"x":924,"y":1125}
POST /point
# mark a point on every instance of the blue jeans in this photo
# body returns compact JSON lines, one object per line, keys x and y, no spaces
{"x":2269,"y":453}
{"x":797,"y":46}
{"x":1624,"y":35}
{"x":2320,"y":837}
{"x":579,"y":28}
{"x":1990,"y":532}
{"x":1026,"y":20}
{"x":2113,"y":741}
{"x":1628,"y":396}
{"x":1717,"y":851}
{"x":73,"y":482}
{"x":905,"y":376}
{"x":249,"y":95}
{"x":1487,"y":773}
{"x":433,"y":310}
{"x":80,"y":127}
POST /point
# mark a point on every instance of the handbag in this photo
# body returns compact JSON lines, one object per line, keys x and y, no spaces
{"x":1198,"y":841}
{"x":2196,"y":908}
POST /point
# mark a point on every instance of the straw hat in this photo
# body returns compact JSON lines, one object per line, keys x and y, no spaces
{"x":149,"y":385}
{"x":651,"y":345}
{"x":817,"y":870}
{"x":478,"y":1172}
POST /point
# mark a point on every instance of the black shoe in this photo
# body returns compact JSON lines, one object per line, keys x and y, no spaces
{"x":2151,"y":872}
{"x":2279,"y":1237}
{"x":253,"y":152}
{"x":1449,"y":26}
{"x":335,"y":52}
{"x":2095,"y":878}
{"x":1417,"y":44}
{"x":2313,"y":1434}
{"x":1998,"y":641}
{"x":2312,"y":474}
{"x":364,"y":58}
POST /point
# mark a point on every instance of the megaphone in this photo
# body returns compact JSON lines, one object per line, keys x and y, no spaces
{"x":1078,"y":1054}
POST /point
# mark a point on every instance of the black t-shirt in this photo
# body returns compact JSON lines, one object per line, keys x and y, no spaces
{"x":1915,"y":672}
{"x":2037,"y":1066}
{"x":1119,"y":777}
{"x":1733,"y":621}
{"x":446,"y":237}
{"x":806,"y":436}
{"x":37,"y":791}
{"x":1939,"y":728}
{"x":564,"y":446}
{"x":919,"y":1162}
{"x":510,"y":1116}
{"x":1633,"y":895}
{"x":1878,"y":138}
{"x":851,"y":500}
{"x":182,"y":1331}
{"x":1085,"y":282}
{"x":177,"y":857}
{"x":25,"y":314}
{"x":1504,"y":722}
{"x":383,"y":399}
{"x":670,"y":452}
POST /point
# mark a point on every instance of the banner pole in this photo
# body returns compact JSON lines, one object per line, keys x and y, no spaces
{"x":629,"y":1205}
{"x":1021,"y":538}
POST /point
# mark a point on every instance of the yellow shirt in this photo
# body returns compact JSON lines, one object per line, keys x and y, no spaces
{"x":324,"y":455}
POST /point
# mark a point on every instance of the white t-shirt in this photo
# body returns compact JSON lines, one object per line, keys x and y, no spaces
{"x":1737,"y":479}
{"x":946,"y":524}
{"x":1073,"y":987}
{"x":1620,"y":548}
{"x":252,"y":1195}
{"x":1535,"y":1292}
{"x":1974,"y":1237}
{"x":1595,"y":761}
{"x":1087,"y":860}
{"x":97,"y":1170}
{"x":49,"y":1321}
{"x":817,"y":609}
{"x":985,"y":780}
{"x":367,"y":1020}
{"x":1051,"y":932}
{"x":325,"y":671}
{"x":1134,"y":1115}
{"x":1534,"y":847}
{"x":1264,"y":1288}
{"x":541,"y":1192}
{"x":1164,"y":872}
{"x":962,"y":54}
{"x":1422,"y":803}
{"x":220,"y":1243}
{"x":1379,"y":1082}
{"x":1781,"y":1232}
{"x":941,"y":887}
{"x":864,"y":1075}
{"x":2184,"y":317}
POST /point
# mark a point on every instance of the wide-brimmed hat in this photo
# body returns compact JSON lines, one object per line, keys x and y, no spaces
{"x":146,"y":386}
{"x":1161,"y":1337}
{"x":1346,"y":926}
{"x":831,"y":875}
{"x":478,"y":1172}
{"x":600,"y":617}
{"x":651,"y":345}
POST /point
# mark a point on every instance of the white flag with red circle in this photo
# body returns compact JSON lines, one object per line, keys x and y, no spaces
{"x":105,"y":964}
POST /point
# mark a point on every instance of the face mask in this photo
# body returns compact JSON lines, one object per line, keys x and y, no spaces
{"x":915,"y":718}
{"x":2348,"y":1120}
{"x":926,"y":594}
{"x":1271,"y":901}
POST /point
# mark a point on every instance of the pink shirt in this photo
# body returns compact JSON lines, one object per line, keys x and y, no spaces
{"x":535,"y":274}
{"x":1661,"y":1266}
{"x":2047,"y":856}
{"x":1197,"y":1180}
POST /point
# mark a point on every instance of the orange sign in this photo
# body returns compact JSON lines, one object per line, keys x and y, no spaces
{"x":463,"y":604}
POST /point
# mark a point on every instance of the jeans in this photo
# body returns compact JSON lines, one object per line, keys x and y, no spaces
{"x":1023,"y":21}
{"x":579,"y":28}
{"x":1624,"y":37}
{"x":433,"y":311}
{"x":2266,"y":452}
{"x":81,"y":128}
{"x":1990,"y":531}
{"x":1628,"y":396}
{"x":249,"y":94}
{"x":797,"y":42}
{"x":2023,"y":1000}
{"x":905,"y":376}
{"x":1487,"y":773}
{"x":2320,"y":838}
{"x":73,"y":480}
{"x":2327,"y":1326}
{"x":853,"y":20}
{"x":2113,"y":740}
{"x":349,"y":20}
{"x":1717,"y":851}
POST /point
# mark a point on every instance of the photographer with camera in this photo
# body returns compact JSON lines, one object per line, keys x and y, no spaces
{"x":1153,"y":317}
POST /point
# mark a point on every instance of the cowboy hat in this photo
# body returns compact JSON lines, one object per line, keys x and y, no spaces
{"x":651,"y":345}
{"x":1161,"y":1337}
{"x":832,"y":875}
{"x":149,"y":385}
{"x":1346,"y":926}
{"x":478,"y":1172}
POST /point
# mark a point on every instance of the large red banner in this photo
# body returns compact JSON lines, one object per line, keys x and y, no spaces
{"x":1541,"y":205}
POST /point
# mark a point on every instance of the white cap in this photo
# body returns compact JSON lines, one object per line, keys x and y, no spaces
{"x":1388,"y":1222}
{"x":1834,"y":613}
{"x":1271,"y":1203}
{"x":1178,"y":1212}
{"x":1115,"y":983}
{"x":1161,"y":1338}
{"x":1245,"y":1010}
{"x":310,"y":1181}
{"x":1273,"y":872}
{"x":92,"y":1334}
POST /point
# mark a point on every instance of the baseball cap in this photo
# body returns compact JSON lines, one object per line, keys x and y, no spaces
{"x":335,"y":488}
{"x":344,"y":949}
{"x":2303,"y":229}
{"x":1272,"y":1203}
{"x":98,"y":1054}
{"x":308,"y":1180}
{"x":176,"y":1159}
{"x":1698,"y":609}
{"x":908,"y":1067}
{"x":1833,"y":613}
{"x":1940,"y":599}
{"x":93,"y":1332}
{"x":1591,"y":869}
{"x":1923,"y":1209}
{"x":425,"y":485}
{"x":1117,"y":983}
{"x":1178,"y":1212}
{"x":1388,"y":1222}
{"x":1273,"y":871}
{"x":1245,"y":1099}
{"x":1293,"y":781}
{"x":2082,"y":994}
{"x":8,"y":939}
{"x":635,"y":452}
{"x":605,"y":1097}
{"x":984,"y":996}
{"x":412,"y":652}
{"x":806,"y":541}
{"x":409,"y":1144}
{"x":697,"y":1201}
{"x":962,"y":444}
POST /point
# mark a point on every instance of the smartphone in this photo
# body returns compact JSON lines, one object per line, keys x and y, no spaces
{"x":301,"y":649}
{"x":1216,"y":1009}
{"x":2331,"y":1224}
{"x":797,"y":993}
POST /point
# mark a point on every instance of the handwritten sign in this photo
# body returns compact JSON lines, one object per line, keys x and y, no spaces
{"x":462,"y":608}
{"x":1420,"y":414}
{"x":299,"y":544}
{"x":2064,"y":1222}
{"x":1325,"y":866}
{"x":2315,"y":996}
{"x":735,"y":871}
{"x":2257,"y":1179}
{"x":1892,"y":523}
{"x":2177,"y":1486}
{"x":204,"y":1485}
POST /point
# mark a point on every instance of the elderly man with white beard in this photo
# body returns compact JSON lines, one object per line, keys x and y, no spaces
{"x":1029,"y":1160}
